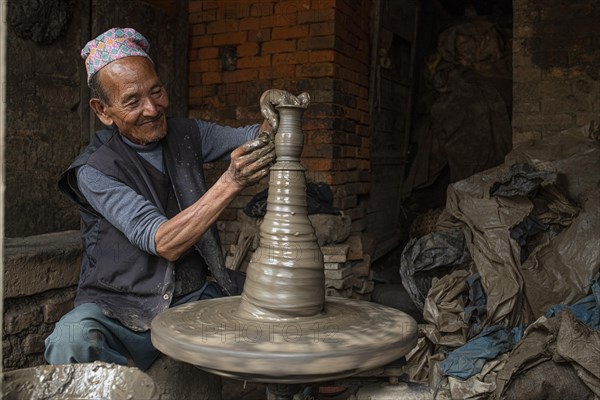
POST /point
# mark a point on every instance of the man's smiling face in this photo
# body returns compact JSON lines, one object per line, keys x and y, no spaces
{"x":137,"y":100}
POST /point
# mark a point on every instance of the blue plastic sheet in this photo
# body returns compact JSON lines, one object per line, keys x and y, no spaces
{"x":586,"y":310}
{"x":475,"y":309}
{"x":469,"y":359}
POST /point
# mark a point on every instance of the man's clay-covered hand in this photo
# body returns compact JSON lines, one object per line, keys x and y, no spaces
{"x":275,"y":97}
{"x":251,"y":161}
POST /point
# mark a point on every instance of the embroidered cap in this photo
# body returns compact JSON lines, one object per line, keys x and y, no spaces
{"x":112,"y":45}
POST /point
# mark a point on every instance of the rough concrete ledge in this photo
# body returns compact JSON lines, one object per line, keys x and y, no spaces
{"x":167,"y":379}
{"x":35,"y":264}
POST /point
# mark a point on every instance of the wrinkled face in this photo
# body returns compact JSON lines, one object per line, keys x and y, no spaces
{"x":137,"y":100}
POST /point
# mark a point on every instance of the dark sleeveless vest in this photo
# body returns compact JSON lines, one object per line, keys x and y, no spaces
{"x":127,"y":283}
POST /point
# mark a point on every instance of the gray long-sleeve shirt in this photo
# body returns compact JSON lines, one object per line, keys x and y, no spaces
{"x":135,"y":215}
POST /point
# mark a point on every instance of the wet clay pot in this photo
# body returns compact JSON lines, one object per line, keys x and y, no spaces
{"x":285,"y":276}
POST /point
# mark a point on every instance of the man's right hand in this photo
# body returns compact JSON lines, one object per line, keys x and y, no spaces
{"x":251,"y":161}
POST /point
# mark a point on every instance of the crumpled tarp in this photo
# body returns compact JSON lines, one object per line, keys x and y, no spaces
{"x":479,"y":386}
{"x":561,"y":339}
{"x":559,"y":269}
{"x":430,"y":256}
{"x":586,"y":310}
{"x":468,"y":360}
{"x":521,"y":180}
{"x":468,"y":126}
{"x":478,"y":45}
{"x":444,"y":308}
{"x":417,"y":360}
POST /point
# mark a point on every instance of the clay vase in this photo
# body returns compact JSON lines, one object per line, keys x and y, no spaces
{"x":285,"y":277}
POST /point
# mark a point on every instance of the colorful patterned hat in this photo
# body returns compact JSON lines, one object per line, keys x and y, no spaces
{"x":112,"y":45}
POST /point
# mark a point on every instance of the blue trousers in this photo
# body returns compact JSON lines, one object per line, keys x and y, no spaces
{"x":85,"y":335}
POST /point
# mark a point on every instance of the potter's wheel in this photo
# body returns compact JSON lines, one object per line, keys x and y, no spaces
{"x":283,"y":329}
{"x":350,"y":336}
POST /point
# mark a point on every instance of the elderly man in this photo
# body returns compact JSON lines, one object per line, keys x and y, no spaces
{"x":148,"y":235}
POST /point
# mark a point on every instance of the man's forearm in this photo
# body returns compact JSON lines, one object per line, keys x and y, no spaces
{"x":249,"y":164}
{"x":177,"y":235}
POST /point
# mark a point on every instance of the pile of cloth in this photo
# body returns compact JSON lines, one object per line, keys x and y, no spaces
{"x":509,"y":281}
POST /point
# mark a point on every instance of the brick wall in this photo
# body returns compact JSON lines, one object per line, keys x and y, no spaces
{"x":240,"y":48}
{"x":555,"y":66}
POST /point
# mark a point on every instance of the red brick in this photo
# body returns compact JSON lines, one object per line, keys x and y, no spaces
{"x":261,"y":9}
{"x":247,"y":49}
{"x":230,"y":25}
{"x":192,"y":54}
{"x":299,"y":57}
{"x":201,"y":41}
{"x":279,"y":46}
{"x":215,"y":101}
{"x":297,"y":31}
{"x":316,"y":16}
{"x":195,"y":6}
{"x":349,"y":152}
{"x":271,"y":21}
{"x":325,"y":110}
{"x":209,"y":78}
{"x":207,"y":53}
{"x":259,"y":35}
{"x":235,"y":10}
{"x":322,"y":56}
{"x":363,"y":130}
{"x":203,"y":90}
{"x":363,"y":188}
{"x":349,"y":75}
{"x":335,"y":177}
{"x":362,"y":104}
{"x":194,"y":79}
{"x":312,"y":150}
{"x":363,"y":152}
{"x":291,"y":6}
{"x":254,"y":62}
{"x":210,"y":4}
{"x":326,"y":136}
{"x":198,"y":29}
{"x":229,"y":38}
{"x":243,"y":75}
{"x":204,"y":66}
{"x":344,"y":164}
{"x":204,"y":16}
{"x":316,"y":70}
{"x":326,"y":124}
{"x":322,"y":28}
{"x":318,"y":164}
{"x":347,"y":9}
{"x":317,"y":43}
{"x":322,"y":4}
{"x":278,"y":71}
{"x":364,"y":165}
{"x":249,"y":23}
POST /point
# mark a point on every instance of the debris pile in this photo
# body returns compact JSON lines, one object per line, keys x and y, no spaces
{"x":348,"y":270}
{"x":508,"y":281}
